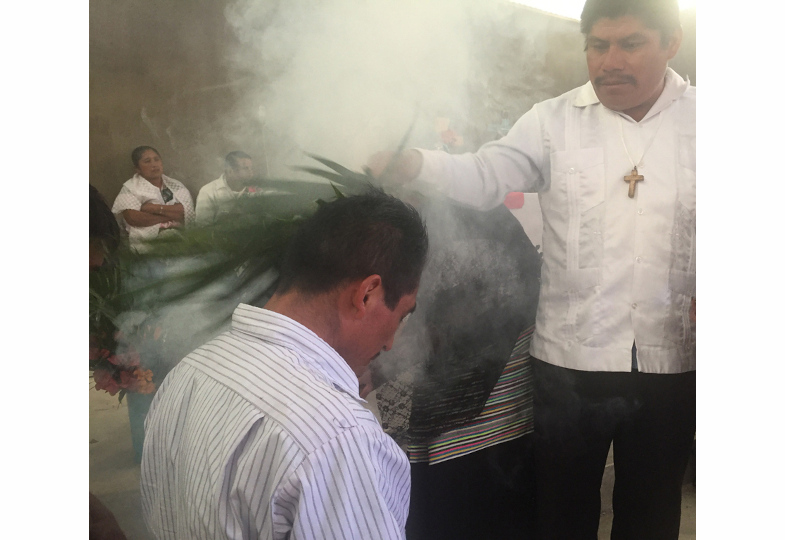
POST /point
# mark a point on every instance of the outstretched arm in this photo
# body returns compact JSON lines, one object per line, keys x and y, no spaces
{"x":481,"y":179}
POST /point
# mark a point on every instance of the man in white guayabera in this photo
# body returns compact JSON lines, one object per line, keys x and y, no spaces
{"x":261,"y":432}
{"x":219,"y":196}
{"x":613,"y":162}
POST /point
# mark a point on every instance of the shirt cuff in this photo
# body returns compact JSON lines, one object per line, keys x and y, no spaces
{"x":427,"y":181}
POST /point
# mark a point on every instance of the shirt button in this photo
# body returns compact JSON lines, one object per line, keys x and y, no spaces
{"x":638,"y":259}
{"x":634,"y":305}
{"x":571,"y":171}
{"x":640,"y":211}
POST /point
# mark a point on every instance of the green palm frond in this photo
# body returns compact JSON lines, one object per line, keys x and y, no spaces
{"x":237,"y":249}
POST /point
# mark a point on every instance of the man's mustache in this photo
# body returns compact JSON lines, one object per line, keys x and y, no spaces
{"x":615,"y":79}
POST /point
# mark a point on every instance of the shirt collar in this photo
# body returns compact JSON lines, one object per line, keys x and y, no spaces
{"x":675,"y":87}
{"x":315,"y":353}
{"x":223,"y":184}
{"x":146,"y":184}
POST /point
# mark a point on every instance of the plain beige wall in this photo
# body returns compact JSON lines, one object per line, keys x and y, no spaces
{"x":157,"y":77}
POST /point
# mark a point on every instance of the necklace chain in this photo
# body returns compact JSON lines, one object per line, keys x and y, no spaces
{"x":624,"y":142}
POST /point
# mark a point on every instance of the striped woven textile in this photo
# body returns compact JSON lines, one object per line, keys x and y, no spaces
{"x":507,"y":415}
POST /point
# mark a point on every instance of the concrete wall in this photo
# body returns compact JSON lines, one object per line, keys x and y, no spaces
{"x":166,"y":74}
{"x":157,"y":77}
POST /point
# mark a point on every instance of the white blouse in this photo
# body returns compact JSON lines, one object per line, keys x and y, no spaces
{"x":137,"y":191}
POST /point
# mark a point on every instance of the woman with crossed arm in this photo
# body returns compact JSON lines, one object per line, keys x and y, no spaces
{"x":151,"y":202}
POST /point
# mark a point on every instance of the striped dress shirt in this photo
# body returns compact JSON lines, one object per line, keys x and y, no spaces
{"x":261,"y":433}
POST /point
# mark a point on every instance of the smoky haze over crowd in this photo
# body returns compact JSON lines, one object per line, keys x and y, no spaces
{"x":343,"y":79}
{"x":337,"y":78}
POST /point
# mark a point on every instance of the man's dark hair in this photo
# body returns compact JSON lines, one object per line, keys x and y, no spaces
{"x":103,"y":225}
{"x":136,"y":153}
{"x":231,"y":159}
{"x":662,"y":15}
{"x":355,"y":237}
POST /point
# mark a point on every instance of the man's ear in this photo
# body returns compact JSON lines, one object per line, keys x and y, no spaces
{"x":366,"y":293}
{"x":675,"y":42}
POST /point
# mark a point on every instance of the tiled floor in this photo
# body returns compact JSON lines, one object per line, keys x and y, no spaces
{"x":114,"y":476}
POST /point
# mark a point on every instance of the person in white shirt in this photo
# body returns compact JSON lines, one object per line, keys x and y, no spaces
{"x":151,"y":202}
{"x":219,"y":195}
{"x":261,"y":432}
{"x":613,"y":162}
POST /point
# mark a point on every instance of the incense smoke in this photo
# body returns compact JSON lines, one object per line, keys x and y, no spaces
{"x":344,"y":79}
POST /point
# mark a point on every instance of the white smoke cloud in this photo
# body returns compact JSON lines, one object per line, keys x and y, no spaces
{"x":343,"y":78}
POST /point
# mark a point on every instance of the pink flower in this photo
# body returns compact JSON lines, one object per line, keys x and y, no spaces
{"x":104,"y":381}
{"x":127,"y":381}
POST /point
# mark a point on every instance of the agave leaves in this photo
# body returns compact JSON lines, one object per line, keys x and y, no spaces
{"x":245,"y":243}
{"x":219,"y":265}
{"x":106,"y":303}
{"x":352,"y":181}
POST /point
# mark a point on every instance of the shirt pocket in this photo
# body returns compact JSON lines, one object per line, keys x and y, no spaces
{"x":578,"y":193}
{"x":578,"y":179}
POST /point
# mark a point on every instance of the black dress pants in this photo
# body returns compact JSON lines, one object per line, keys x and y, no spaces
{"x":650,"y":418}
{"x":487,"y":494}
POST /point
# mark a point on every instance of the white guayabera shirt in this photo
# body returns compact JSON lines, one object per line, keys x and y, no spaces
{"x":216,"y":198}
{"x":616,"y":270}
{"x":212,"y":198}
{"x":137,"y":191}
{"x":261,"y":433}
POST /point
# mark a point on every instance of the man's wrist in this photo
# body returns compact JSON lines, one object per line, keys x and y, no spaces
{"x":413,"y":163}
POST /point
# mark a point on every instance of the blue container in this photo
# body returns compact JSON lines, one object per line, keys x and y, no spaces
{"x":138,"y":405}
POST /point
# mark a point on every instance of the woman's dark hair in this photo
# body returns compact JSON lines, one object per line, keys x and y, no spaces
{"x":662,"y":15}
{"x":137,"y":152}
{"x":355,"y":237}
{"x":103,"y":225}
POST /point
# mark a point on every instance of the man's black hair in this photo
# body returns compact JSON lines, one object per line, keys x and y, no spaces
{"x":662,"y":15}
{"x":136,"y":153}
{"x":231,"y":159}
{"x":355,"y":237}
{"x":103,"y":225}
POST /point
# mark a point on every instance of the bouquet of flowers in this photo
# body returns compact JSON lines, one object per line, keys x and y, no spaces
{"x":115,"y":365}
{"x":120,"y":372}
